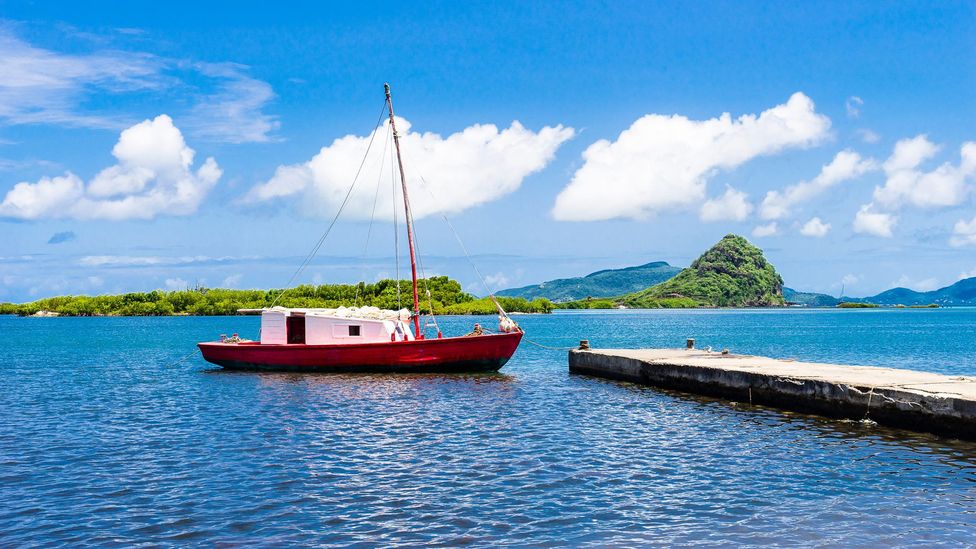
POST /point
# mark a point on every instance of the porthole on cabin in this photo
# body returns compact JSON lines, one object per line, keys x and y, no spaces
{"x":354,"y":331}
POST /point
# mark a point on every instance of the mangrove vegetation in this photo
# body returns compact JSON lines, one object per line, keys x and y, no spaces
{"x":446,"y":296}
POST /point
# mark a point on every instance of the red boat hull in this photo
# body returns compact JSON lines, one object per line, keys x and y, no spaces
{"x":485,"y":353}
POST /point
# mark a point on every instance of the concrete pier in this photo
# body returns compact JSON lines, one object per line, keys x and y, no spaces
{"x":920,"y":401}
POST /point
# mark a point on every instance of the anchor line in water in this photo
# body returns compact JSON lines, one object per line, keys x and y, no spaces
{"x":182,"y":360}
{"x":527,"y":340}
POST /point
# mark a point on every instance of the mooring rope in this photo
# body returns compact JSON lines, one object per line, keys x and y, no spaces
{"x":527,"y":340}
{"x":182,"y":360}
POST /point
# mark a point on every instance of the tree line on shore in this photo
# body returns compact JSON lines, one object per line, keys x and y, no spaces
{"x":446,"y":297}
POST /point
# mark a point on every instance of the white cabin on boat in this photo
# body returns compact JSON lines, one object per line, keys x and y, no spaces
{"x":345,"y":325}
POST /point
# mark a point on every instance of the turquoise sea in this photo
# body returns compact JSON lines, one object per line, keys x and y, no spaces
{"x":106,"y":441}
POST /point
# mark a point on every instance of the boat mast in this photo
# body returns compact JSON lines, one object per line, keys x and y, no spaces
{"x":409,"y":216}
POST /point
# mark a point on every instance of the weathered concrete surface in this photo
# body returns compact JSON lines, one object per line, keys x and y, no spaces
{"x":903,"y":398}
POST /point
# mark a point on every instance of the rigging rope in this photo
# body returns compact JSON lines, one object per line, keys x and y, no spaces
{"x":491,"y":295}
{"x":372,"y":216}
{"x":423,"y":274}
{"x":345,"y":200}
{"x":396,"y":227}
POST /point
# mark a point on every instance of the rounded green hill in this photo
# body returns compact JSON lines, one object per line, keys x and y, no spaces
{"x":732,"y":273}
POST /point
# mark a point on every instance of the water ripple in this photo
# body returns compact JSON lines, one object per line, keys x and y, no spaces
{"x":103,"y":444}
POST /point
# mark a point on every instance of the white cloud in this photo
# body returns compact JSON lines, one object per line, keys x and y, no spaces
{"x":153,"y":176}
{"x":967,"y":274}
{"x":496,"y":281}
{"x":815,"y":228}
{"x":924,"y":285}
{"x":476,"y":165}
{"x":946,"y":185}
{"x":768,"y":229}
{"x":850,"y":279}
{"x":664,"y":162}
{"x":853,"y":106}
{"x":846,"y":165}
{"x":905,"y":184}
{"x":176,"y":284}
{"x":34,"y":200}
{"x":868,"y":136}
{"x":233,"y":112}
{"x":733,"y":205}
{"x":41,"y":86}
{"x":964,"y":233}
{"x":232,"y":281}
{"x":869,"y":221}
{"x":148,"y":261}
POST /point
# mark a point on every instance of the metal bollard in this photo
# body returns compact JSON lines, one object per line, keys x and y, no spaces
{"x":584,"y":344}
{"x":690,"y":343}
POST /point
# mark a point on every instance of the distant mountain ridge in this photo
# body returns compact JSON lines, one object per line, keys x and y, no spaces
{"x":643,"y":286}
{"x":608,"y":282}
{"x":962,"y":293}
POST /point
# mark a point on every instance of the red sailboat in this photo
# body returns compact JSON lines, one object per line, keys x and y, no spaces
{"x":366,"y":339}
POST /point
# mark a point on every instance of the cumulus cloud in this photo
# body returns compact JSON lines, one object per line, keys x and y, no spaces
{"x":964,"y":233}
{"x":768,"y":229}
{"x":967,"y":274}
{"x":846,"y":165}
{"x":946,"y":185}
{"x":869,"y":221}
{"x":733,"y":205}
{"x":815,"y":228}
{"x":664,"y":162}
{"x":476,"y":165}
{"x":853,"y":106}
{"x":153,"y":176}
{"x":906,"y":184}
{"x":850,"y":279}
{"x":41,"y":86}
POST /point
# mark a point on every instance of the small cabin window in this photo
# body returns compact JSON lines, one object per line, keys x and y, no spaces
{"x":354,"y":331}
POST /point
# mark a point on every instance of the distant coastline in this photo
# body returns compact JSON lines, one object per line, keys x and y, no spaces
{"x":731,"y":274}
{"x":446,"y":298}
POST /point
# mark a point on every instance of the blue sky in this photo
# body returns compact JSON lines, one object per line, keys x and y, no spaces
{"x":620,"y":154}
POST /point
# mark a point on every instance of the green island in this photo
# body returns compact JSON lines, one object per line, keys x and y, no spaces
{"x":856,"y":305}
{"x":446,"y":295}
{"x":732,"y":273}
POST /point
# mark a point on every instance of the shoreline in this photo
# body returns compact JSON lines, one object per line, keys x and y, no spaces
{"x":555,"y":310}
